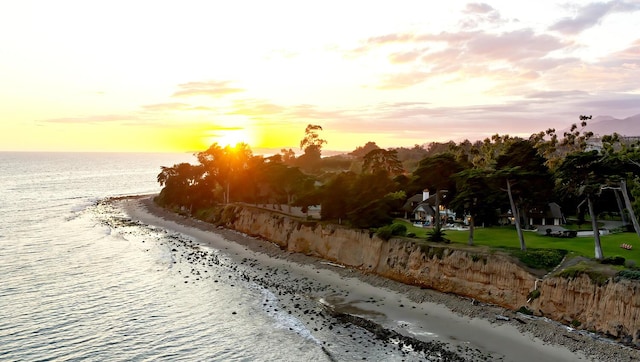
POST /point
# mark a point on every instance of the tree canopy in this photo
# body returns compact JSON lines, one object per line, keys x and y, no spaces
{"x":478,"y":180}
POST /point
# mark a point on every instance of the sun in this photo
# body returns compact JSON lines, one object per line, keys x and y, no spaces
{"x":230,"y":137}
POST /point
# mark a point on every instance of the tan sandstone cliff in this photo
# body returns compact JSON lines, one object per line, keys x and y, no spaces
{"x":612,"y":308}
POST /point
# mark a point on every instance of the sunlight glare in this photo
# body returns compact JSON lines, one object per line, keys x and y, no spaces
{"x":230,"y":137}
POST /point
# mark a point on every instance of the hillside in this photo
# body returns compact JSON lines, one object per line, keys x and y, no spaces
{"x":605,"y":125}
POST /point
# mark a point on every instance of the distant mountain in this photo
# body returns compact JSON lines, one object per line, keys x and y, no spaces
{"x":606,"y":125}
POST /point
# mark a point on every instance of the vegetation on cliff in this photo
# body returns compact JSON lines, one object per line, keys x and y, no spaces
{"x":481,"y":181}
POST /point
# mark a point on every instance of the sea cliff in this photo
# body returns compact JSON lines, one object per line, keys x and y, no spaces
{"x":611,"y":307}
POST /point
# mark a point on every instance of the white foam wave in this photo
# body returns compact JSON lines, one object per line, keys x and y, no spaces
{"x":284,"y":320}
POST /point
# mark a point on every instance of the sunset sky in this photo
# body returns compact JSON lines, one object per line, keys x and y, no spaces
{"x":179,"y":75}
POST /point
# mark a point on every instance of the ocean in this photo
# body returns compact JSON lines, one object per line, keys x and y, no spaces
{"x":80,"y":281}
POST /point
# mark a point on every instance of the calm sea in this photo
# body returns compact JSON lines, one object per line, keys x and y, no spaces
{"x":80,"y":282}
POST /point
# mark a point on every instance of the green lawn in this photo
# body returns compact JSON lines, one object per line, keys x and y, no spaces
{"x":506,"y":237}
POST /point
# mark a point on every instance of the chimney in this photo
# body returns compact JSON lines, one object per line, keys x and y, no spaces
{"x":425,"y":194}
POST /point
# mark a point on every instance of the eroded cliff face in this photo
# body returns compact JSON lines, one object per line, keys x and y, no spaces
{"x":612,"y":308}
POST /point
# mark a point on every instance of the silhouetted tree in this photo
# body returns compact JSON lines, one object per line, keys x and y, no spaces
{"x":311,"y":144}
{"x":336,"y":196}
{"x":361,"y":151}
{"x":379,"y":160}
{"x":183,"y":185}
{"x":223,"y":165}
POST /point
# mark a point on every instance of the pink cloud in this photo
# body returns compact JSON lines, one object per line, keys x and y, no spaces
{"x":478,"y":8}
{"x":592,"y":14}
{"x":404,"y":57}
{"x":402,"y":80}
{"x":513,"y":46}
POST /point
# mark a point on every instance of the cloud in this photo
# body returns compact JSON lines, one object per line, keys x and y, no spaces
{"x":94,"y":119}
{"x":210,"y":88}
{"x":174,"y":106}
{"x":391,"y":39}
{"x":628,"y":58}
{"x":404,"y":57}
{"x":255,"y":107}
{"x":592,"y":14}
{"x":402,"y":80}
{"x":309,"y":112}
{"x":557,"y":94}
{"x":512,"y":46}
{"x":500,"y":56}
{"x":478,"y":8}
{"x":623,"y":104}
{"x":479,"y":14}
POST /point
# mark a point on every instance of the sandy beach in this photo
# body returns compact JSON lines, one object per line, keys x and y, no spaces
{"x":470,"y":330}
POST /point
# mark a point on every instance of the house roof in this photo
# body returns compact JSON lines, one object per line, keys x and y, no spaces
{"x":424,"y":207}
{"x":411,"y":202}
{"x":555,"y":211}
{"x":427,"y":205}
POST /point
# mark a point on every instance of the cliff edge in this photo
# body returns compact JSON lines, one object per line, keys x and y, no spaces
{"x":610,"y":307}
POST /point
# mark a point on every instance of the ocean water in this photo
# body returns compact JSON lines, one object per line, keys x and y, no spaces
{"x":80,"y":281}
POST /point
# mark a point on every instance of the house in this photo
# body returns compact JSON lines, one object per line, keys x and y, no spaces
{"x":551,"y":215}
{"x":411,"y":204}
{"x":421,"y":208}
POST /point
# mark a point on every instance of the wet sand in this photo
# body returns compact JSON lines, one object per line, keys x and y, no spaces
{"x":476,"y":330}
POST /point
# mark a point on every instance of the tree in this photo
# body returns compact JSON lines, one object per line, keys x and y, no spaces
{"x":622,"y":162}
{"x":361,"y":151}
{"x":581,"y":173}
{"x":287,"y":181}
{"x":554,"y":150}
{"x":534,"y":181}
{"x":182,"y":185}
{"x":336,"y":195}
{"x":522,"y":170}
{"x":311,"y":144}
{"x":288,"y":156}
{"x":435,"y":173}
{"x":223,"y":165}
{"x":473,"y":193}
{"x":380,"y":160}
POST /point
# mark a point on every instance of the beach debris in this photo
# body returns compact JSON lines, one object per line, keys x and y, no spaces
{"x":502,"y":318}
{"x":332,"y":264}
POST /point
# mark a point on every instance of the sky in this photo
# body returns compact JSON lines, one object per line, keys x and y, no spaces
{"x":180,"y":75}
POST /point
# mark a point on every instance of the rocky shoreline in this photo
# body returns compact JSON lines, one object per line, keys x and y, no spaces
{"x":584,"y":345}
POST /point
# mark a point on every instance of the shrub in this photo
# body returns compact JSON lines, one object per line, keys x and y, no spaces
{"x":398,"y":229}
{"x":631,"y":264}
{"x":628,"y":274}
{"x":613,"y":260}
{"x":436,"y":235}
{"x":525,"y":310}
{"x":540,"y":258}
{"x":573,"y":272}
{"x":384,"y":233}
{"x":533,"y":294}
{"x":576,"y":323}
{"x":387,"y":231}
